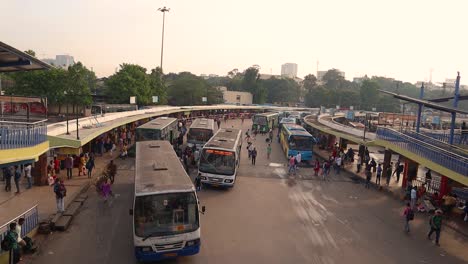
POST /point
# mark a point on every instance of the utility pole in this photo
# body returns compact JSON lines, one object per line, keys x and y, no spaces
{"x":163,"y":10}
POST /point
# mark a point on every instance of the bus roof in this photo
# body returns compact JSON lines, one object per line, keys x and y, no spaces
{"x":203,"y":123}
{"x":225,"y":138}
{"x":288,"y":120}
{"x":297,"y":130}
{"x":158,"y":169}
{"x":158,"y":123}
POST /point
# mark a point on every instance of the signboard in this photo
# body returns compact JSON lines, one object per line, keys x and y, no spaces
{"x":204,"y":99}
{"x":132,"y":99}
{"x":436,"y":120}
{"x":350,"y":115}
{"x":155,"y":99}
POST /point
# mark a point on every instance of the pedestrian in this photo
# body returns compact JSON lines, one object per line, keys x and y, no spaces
{"x":17,"y":178}
{"x":111,"y":170}
{"x":268,"y":151}
{"x":129,"y":137}
{"x":379,"y":174}
{"x":435,"y":224}
{"x":270,"y":135}
{"x":414,"y":197}
{"x":298,"y":159}
{"x":218,"y":122}
{"x":254,"y":155}
{"x":12,"y":238}
{"x":316,"y":167}
{"x":249,"y":149}
{"x":292,"y":164}
{"x":198,"y":183}
{"x":81,"y":165}
{"x":51,"y":170}
{"x":399,"y":170}
{"x":465,"y":210}
{"x":428,"y":178}
{"x":56,"y":165}
{"x":60,"y":193}
{"x":69,"y":166}
{"x":242,"y":119}
{"x":338,"y":162}
{"x":368,"y":175}
{"x":27,"y":174}
{"x":359,"y":163}
{"x":325,"y":168}
{"x":408,"y":215}
{"x":7,"y":174}
{"x":90,"y":166}
{"x":389,"y":173}
{"x":106,"y":191}
{"x":373,"y":165}
{"x":25,"y":243}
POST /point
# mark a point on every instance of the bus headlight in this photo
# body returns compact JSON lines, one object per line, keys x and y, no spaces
{"x":193,"y":242}
{"x":145,"y":249}
{"x":228,"y":181}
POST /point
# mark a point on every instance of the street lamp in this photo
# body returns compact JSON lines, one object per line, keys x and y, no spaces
{"x":66,"y":101}
{"x":163,"y":10}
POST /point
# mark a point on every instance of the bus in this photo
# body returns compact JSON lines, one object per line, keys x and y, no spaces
{"x":166,"y":217}
{"x":220,"y":158}
{"x":264,"y":122}
{"x":161,"y":128}
{"x":201,"y":130}
{"x":294,"y":139}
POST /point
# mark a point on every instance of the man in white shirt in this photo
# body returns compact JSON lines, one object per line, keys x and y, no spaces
{"x":298,"y":158}
{"x":414,"y":198}
{"x":27,"y":172}
{"x":338,"y":164}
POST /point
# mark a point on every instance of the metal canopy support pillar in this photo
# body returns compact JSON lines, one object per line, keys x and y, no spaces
{"x":455,"y":105}
{"x":418,"y":122}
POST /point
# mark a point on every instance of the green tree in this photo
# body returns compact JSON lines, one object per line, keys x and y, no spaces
{"x":250,"y":83}
{"x":318,"y":97}
{"x":79,"y":83}
{"x":130,"y":80}
{"x":188,"y":89}
{"x":369,"y":94}
{"x":309,"y":82}
{"x":281,"y":90}
{"x":333,"y":80}
{"x":158,"y":87}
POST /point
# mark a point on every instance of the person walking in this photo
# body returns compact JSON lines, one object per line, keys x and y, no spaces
{"x":298,"y":159}
{"x":428,"y":178}
{"x":69,"y":166}
{"x":106,"y":190}
{"x":254,"y":155}
{"x":60,"y":193}
{"x":111,"y":170}
{"x":368,"y":174}
{"x":316,"y":167}
{"x":7,"y":174}
{"x":56,"y":166}
{"x":414,"y":197}
{"x":12,"y":238}
{"x":17,"y":178}
{"x":27,"y":174}
{"x":198,"y":183}
{"x":389,"y":173}
{"x":373,"y":165}
{"x":292,"y":164}
{"x":359,"y":164}
{"x":90,"y":166}
{"x":435,"y":224}
{"x":268,"y":151}
{"x":378,"y":175}
{"x":338,"y":162}
{"x":408,"y":215}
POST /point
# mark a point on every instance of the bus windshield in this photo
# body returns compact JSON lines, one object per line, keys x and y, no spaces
{"x":300,"y":143}
{"x":166,"y":214}
{"x":260,"y":120}
{"x":217,"y":162}
{"x":147,"y":134}
{"x":198,"y":135}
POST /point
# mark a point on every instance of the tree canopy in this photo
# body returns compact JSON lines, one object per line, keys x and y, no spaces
{"x":130,"y":80}
{"x":187,"y":89}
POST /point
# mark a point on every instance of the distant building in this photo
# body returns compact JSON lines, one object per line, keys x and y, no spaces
{"x":236,"y":97}
{"x":289,"y":70}
{"x":320,"y":74}
{"x":62,"y":61}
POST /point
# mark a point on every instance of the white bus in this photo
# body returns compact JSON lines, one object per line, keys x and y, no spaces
{"x":220,"y":158}
{"x":166,"y":221}
{"x":201,"y":130}
{"x":161,"y":128}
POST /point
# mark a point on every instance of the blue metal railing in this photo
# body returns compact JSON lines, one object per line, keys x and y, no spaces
{"x":21,"y":134}
{"x":435,"y":142}
{"x":445,"y":158}
{"x":444,"y":137}
{"x":31,"y":221}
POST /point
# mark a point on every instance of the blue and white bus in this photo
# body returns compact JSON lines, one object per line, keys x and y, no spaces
{"x":294,"y":139}
{"x":166,"y":217}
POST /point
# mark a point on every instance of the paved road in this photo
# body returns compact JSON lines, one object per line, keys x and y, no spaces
{"x":266,"y":218}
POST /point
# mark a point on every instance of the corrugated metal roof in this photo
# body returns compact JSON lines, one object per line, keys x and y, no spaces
{"x":12,"y":60}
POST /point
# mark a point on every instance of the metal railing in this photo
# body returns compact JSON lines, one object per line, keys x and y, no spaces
{"x":437,"y":143}
{"x":31,"y":221}
{"x":433,"y":153}
{"x":22,"y":134}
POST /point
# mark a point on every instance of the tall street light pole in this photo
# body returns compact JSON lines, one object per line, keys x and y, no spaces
{"x":163,"y":10}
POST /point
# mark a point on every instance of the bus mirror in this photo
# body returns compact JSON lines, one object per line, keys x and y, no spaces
{"x":203,"y":209}
{"x":130,"y":212}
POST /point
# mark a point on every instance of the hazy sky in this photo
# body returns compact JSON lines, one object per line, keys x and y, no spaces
{"x":403,"y":39}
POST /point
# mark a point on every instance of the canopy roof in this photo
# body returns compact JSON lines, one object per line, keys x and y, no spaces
{"x":12,"y":60}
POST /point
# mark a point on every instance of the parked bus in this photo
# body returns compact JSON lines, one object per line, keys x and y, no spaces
{"x":294,"y":139}
{"x":220,"y":158}
{"x":161,"y":128}
{"x":166,"y":220}
{"x":201,"y":130}
{"x":265,"y":121}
